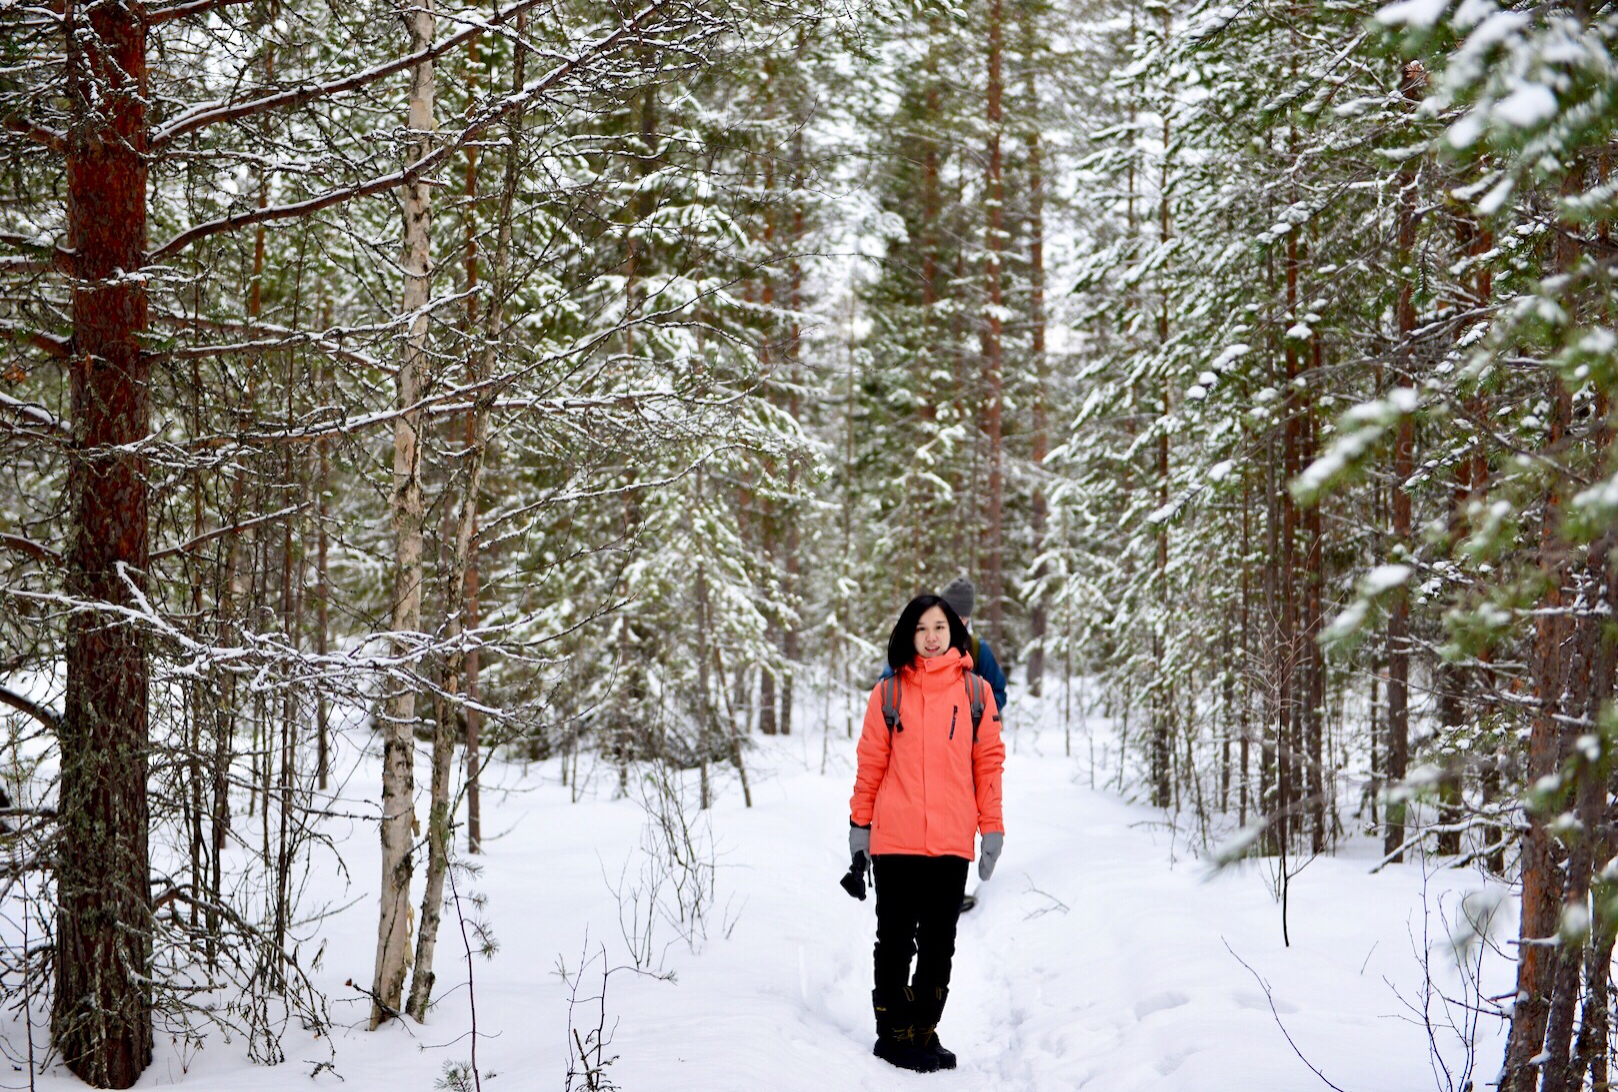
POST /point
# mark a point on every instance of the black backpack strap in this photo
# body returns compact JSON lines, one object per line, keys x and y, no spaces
{"x":974,"y":696}
{"x":890,"y":704}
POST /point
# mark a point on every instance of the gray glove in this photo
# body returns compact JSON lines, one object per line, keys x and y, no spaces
{"x":859,"y":840}
{"x":993,"y":843}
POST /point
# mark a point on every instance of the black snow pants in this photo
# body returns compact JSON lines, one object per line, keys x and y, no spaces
{"x":918,"y":900}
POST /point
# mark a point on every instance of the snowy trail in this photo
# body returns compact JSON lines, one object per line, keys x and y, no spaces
{"x":1096,"y":957}
{"x":1089,"y":962}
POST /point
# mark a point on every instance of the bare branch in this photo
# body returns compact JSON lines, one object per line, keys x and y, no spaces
{"x":1270,"y":997}
{"x":53,"y":345}
{"x":213,"y":113}
{"x":272,"y":213}
{"x":50,"y":138}
{"x":49,"y":718}
{"x":186,"y":547}
{"x":629,"y":30}
{"x":196,"y":7}
{"x":35,"y":414}
{"x":270,"y":335}
{"x":36,"y":550}
{"x":35,"y":259}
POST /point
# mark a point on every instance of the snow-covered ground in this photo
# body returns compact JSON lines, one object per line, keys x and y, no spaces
{"x":1102,"y":955}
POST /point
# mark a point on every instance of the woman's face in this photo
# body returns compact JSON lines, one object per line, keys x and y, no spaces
{"x":932,"y":633}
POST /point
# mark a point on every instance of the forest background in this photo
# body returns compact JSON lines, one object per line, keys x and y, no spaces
{"x":575,"y":379}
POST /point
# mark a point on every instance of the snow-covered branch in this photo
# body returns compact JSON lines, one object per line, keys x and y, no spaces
{"x":629,"y":31}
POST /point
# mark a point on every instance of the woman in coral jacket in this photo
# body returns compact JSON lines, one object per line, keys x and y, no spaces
{"x":922,"y":793}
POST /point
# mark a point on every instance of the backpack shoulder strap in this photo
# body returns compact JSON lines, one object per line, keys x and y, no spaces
{"x":890,"y":703}
{"x":974,"y":697}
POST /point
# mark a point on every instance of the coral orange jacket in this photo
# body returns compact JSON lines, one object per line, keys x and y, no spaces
{"x":928,"y":789}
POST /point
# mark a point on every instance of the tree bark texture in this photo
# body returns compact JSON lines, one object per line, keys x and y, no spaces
{"x":1038,"y":617}
{"x":101,"y":1020}
{"x":1162,"y":691}
{"x":1412,"y":80}
{"x":993,"y":366}
{"x":408,"y":516}
{"x":1314,"y":661}
{"x":494,"y":318}
{"x":1547,"y":747}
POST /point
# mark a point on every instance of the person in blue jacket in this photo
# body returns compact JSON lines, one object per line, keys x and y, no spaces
{"x":961,"y":597}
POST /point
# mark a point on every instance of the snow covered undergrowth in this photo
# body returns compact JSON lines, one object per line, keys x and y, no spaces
{"x":1100,"y":956}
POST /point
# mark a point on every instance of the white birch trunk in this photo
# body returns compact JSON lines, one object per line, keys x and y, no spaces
{"x":481,"y":363}
{"x":398,"y":778}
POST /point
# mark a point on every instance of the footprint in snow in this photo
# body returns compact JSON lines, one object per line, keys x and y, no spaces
{"x":1158,"y":1002}
{"x":1171,"y":1061}
{"x":1251,"y":999}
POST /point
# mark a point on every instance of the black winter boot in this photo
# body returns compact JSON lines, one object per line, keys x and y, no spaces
{"x":929,"y":1007}
{"x":896,"y":1039}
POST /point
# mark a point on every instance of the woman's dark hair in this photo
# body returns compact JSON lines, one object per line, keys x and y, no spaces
{"x":902,"y":644}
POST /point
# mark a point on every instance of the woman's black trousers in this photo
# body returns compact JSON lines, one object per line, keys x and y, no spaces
{"x":918,"y":900}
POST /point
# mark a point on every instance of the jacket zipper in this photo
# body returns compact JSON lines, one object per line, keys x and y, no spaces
{"x":953,"y":713}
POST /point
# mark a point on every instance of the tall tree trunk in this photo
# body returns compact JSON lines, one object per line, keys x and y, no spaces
{"x":322,"y":590}
{"x":1162,"y":690}
{"x":1289,"y":754}
{"x":408,"y":516}
{"x":1272,"y":735}
{"x":1038,"y":620}
{"x":1245,"y":658}
{"x":1595,"y":1021}
{"x":1412,"y":81}
{"x":1478,"y":486}
{"x":1314,"y":691}
{"x":101,"y":1020}
{"x":993,"y":368}
{"x":794,"y":353}
{"x":1451,"y":813}
{"x":769,"y":524}
{"x":1541,"y":886}
{"x":1451,"y":682}
{"x":291,"y":624}
{"x":922,"y":513}
{"x":1587,"y":689}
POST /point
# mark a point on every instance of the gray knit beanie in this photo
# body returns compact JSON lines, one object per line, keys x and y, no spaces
{"x":959,"y":595}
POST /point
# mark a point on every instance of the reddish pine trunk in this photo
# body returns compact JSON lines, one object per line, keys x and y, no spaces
{"x":1589,"y":685}
{"x":789,"y":639}
{"x":1272,"y":735}
{"x":993,"y":369}
{"x":101,"y":1020}
{"x":1289,"y":754}
{"x":1314,"y":691}
{"x":1541,"y":883}
{"x":1038,"y":619}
